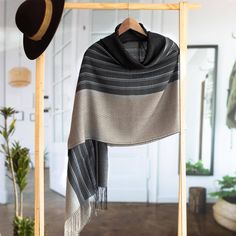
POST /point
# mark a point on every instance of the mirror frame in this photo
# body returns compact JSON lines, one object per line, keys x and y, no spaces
{"x":215,"y":47}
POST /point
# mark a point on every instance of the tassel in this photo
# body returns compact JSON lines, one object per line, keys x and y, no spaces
{"x":83,"y":215}
{"x":101,"y":199}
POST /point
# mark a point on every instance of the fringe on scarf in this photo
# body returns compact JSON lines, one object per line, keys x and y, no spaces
{"x":85,"y":212}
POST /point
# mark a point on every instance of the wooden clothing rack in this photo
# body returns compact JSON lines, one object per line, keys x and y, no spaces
{"x":183,"y":8}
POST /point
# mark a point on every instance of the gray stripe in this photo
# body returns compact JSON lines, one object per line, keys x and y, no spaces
{"x":82,"y":185}
{"x":130,"y":80}
{"x":94,"y":60}
{"x":139,"y":90}
{"x":90,"y":164}
{"x":143,"y":87}
{"x":122,"y":92}
{"x":95,"y":63}
{"x":102,"y":55}
{"x":97,"y":55}
{"x":84,"y":164}
{"x":126,"y":73}
{"x":91,"y":59}
{"x":74,"y":182}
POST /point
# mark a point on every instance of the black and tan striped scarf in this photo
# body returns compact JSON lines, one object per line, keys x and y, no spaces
{"x":127,"y":93}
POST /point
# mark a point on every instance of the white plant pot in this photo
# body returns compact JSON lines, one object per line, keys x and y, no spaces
{"x":225,"y":214}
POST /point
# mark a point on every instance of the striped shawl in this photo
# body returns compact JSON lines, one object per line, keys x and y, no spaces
{"x":127,"y":93}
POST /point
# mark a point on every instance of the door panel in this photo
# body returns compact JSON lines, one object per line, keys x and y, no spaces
{"x":128,"y":174}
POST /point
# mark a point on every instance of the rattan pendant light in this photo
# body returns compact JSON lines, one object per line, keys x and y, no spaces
{"x":19,"y":76}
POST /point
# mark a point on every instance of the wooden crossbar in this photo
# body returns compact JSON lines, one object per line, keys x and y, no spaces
{"x":127,"y":6}
{"x":182,"y":7}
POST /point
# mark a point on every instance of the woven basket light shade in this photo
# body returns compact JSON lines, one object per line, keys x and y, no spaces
{"x":19,"y":77}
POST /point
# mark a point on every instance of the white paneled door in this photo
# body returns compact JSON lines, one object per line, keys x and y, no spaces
{"x":131,"y":175}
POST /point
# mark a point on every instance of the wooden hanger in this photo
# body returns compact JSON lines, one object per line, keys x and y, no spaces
{"x":130,"y":23}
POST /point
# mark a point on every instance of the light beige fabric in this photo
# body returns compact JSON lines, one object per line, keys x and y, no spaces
{"x":124,"y":120}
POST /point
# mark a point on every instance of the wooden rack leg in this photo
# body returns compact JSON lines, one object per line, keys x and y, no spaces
{"x":182,"y":214}
{"x":39,"y":149}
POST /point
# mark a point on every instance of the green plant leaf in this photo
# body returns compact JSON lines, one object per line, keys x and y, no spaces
{"x":21,"y":164}
{"x":196,"y":168}
{"x":23,"y":226}
{"x":7,"y":111}
{"x":5,"y":134}
{"x":4,"y":148}
{"x":227,"y":187}
{"x":12,"y":127}
{"x":227,"y":182}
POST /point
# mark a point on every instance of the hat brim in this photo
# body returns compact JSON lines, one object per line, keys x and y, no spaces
{"x":34,"y":49}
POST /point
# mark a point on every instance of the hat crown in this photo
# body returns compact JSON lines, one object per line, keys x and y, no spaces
{"x":30,"y":15}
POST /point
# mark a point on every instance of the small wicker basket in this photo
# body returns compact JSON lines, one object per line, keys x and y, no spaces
{"x":225,"y":214}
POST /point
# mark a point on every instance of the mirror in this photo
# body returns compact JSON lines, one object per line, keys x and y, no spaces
{"x":200,"y":109}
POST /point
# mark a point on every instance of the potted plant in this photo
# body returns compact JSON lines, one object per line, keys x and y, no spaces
{"x":17,"y":161}
{"x":196,"y":168}
{"x":224,"y":210}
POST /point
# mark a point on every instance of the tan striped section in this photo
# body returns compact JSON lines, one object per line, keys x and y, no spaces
{"x":124,"y":120}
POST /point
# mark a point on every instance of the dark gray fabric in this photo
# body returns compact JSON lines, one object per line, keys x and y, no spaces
{"x":131,"y":48}
{"x":87,"y":168}
{"x":100,"y":71}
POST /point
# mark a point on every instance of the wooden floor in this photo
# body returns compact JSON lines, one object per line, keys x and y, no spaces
{"x":118,"y":220}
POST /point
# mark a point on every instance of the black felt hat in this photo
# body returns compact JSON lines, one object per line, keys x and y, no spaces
{"x":38,"y":21}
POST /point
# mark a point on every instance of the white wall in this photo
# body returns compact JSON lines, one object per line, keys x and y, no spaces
{"x":19,"y":98}
{"x":212,"y":24}
{"x":22,"y":99}
{"x":3,"y":193}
